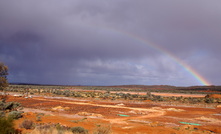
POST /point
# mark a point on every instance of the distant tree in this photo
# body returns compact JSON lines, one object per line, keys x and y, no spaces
{"x":3,"y":76}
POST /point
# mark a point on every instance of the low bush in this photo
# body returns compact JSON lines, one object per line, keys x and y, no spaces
{"x":38,"y":118}
{"x":27,"y":124}
{"x":105,"y":129}
{"x":15,"y":114}
{"x":12,"y":106}
{"x":209,"y":100}
{"x":2,"y":114}
{"x":51,"y":129}
{"x":79,"y":130}
{"x":6,"y":126}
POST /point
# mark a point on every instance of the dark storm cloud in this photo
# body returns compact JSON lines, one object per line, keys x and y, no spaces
{"x":85,"y":42}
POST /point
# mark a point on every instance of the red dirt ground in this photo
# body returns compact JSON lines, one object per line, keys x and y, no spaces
{"x":144,"y":117}
{"x":215,"y":96}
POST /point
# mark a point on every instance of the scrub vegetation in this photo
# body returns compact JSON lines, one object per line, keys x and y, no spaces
{"x":123,"y":92}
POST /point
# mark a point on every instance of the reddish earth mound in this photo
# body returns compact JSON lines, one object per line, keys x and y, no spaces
{"x":214,"y":96}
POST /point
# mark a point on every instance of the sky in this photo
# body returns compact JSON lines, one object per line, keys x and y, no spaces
{"x":111,"y":42}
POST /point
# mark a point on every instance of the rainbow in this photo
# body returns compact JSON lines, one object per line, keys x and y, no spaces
{"x":186,"y":67}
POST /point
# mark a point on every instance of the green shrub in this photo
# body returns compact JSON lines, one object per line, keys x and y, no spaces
{"x":38,"y":118}
{"x":15,"y":114}
{"x":2,"y":105}
{"x":145,"y":97}
{"x":79,"y":130}
{"x":40,"y":114}
{"x":6,"y":126}
{"x":2,"y":114}
{"x":9,"y":106}
{"x":209,"y":100}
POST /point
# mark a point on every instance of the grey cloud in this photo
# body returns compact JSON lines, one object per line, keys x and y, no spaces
{"x":93,"y":42}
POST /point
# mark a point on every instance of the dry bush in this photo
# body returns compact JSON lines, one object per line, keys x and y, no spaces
{"x":104,"y":129}
{"x":51,"y":129}
{"x":27,"y":124}
{"x":79,"y":130}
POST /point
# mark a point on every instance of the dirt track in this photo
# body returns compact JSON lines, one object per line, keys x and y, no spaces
{"x":142,"y":117}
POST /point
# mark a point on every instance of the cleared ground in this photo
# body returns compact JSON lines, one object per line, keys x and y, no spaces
{"x":123,"y":116}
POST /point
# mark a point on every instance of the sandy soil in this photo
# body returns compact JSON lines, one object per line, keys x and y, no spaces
{"x":124,"y":117}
